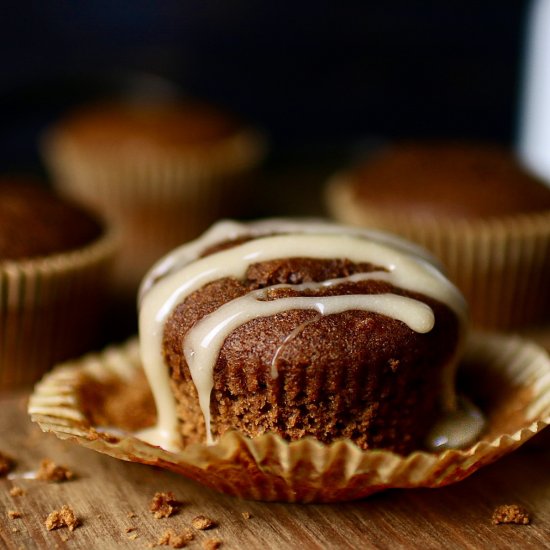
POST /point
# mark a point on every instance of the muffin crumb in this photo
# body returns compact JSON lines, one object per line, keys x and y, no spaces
{"x":246,"y":515}
{"x":130,"y":529}
{"x":170,"y":538}
{"x":50,"y":471}
{"x":164,"y":505}
{"x":202,"y":523}
{"x":511,"y":513}
{"x":17,"y":491}
{"x":212,"y":544}
{"x":131,"y":515}
{"x":133,"y":536}
{"x":6,"y":465}
{"x":14,"y":530}
{"x":62,"y":518}
{"x":14,"y":514}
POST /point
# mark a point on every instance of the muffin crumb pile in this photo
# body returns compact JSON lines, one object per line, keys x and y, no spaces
{"x":50,"y":471}
{"x":17,"y":491}
{"x":511,"y":513}
{"x":212,"y":544}
{"x":164,"y":505}
{"x":62,"y":518}
{"x":176,"y":540}
{"x":6,"y":464}
{"x":202,"y":523}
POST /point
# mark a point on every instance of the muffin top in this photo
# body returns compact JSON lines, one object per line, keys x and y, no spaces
{"x":448,"y":180}
{"x":184,"y":125}
{"x":34,"y":222}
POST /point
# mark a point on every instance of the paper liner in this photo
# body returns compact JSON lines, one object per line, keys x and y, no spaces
{"x":157,"y":197}
{"x":510,"y":376}
{"x":50,"y":308}
{"x":502,"y":265}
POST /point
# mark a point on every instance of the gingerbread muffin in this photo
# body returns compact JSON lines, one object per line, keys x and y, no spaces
{"x":302,"y":329}
{"x":54,"y":267}
{"x":474,"y":207}
{"x":160,"y":172}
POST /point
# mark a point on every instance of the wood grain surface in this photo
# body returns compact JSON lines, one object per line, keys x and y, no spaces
{"x":106,"y":491}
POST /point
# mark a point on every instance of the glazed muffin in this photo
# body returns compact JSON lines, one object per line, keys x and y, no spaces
{"x":54,"y":270}
{"x":301,"y":329}
{"x":160,"y":172}
{"x":474,"y":207}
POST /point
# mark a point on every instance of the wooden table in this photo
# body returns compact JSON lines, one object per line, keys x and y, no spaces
{"x":107,"y":490}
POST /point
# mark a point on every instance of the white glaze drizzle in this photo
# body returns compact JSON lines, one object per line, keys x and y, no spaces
{"x":457,"y":429}
{"x":172,"y":280}
{"x":292,"y":335}
{"x":228,"y":230}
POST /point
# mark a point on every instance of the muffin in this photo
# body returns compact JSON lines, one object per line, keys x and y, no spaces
{"x":160,"y":172}
{"x":475,"y":208}
{"x":300,"y":329}
{"x":54,"y":266}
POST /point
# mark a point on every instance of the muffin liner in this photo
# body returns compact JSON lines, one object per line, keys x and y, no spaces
{"x":508,"y":378}
{"x":157,"y":197}
{"x":50,"y":308}
{"x":502,"y":265}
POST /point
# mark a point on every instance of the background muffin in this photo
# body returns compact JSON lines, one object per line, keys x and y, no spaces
{"x":54,"y":270}
{"x":160,"y":172}
{"x":342,"y":369}
{"x":474,"y":207}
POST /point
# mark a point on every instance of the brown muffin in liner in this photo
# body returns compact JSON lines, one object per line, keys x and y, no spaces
{"x":507,"y":377}
{"x":50,"y":309}
{"x":501,"y":265}
{"x":156,"y":192}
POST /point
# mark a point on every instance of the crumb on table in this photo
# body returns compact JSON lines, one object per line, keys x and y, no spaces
{"x":246,"y":515}
{"x":212,"y":544}
{"x":164,"y":505}
{"x":511,"y":513}
{"x":62,"y":518}
{"x":6,"y":464}
{"x":176,"y":540}
{"x":16,"y":491}
{"x":14,"y":514}
{"x":202,"y":523}
{"x":50,"y":471}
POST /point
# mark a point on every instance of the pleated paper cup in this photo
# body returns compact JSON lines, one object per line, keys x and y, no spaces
{"x":501,"y":265}
{"x":158,"y":197}
{"x":508,"y":378}
{"x":50,"y":309}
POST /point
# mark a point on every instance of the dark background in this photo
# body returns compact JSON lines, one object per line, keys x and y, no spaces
{"x":313,"y":74}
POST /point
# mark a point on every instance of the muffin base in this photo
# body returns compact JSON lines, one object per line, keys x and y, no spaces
{"x":508,"y":378}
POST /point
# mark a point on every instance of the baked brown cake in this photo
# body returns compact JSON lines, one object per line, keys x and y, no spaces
{"x":161,"y":172}
{"x":474,"y":207}
{"x":55,"y":262}
{"x":302,"y":329}
{"x":34,"y":222}
{"x":457,"y":181}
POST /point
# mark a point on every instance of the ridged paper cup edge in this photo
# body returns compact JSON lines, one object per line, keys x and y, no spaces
{"x":269,"y":468}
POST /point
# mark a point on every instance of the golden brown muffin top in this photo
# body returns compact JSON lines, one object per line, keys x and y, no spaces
{"x":34,"y":222}
{"x":185,"y":125}
{"x":453,"y":180}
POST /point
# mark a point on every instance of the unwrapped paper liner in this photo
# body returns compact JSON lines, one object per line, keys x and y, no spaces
{"x":272,"y":469}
